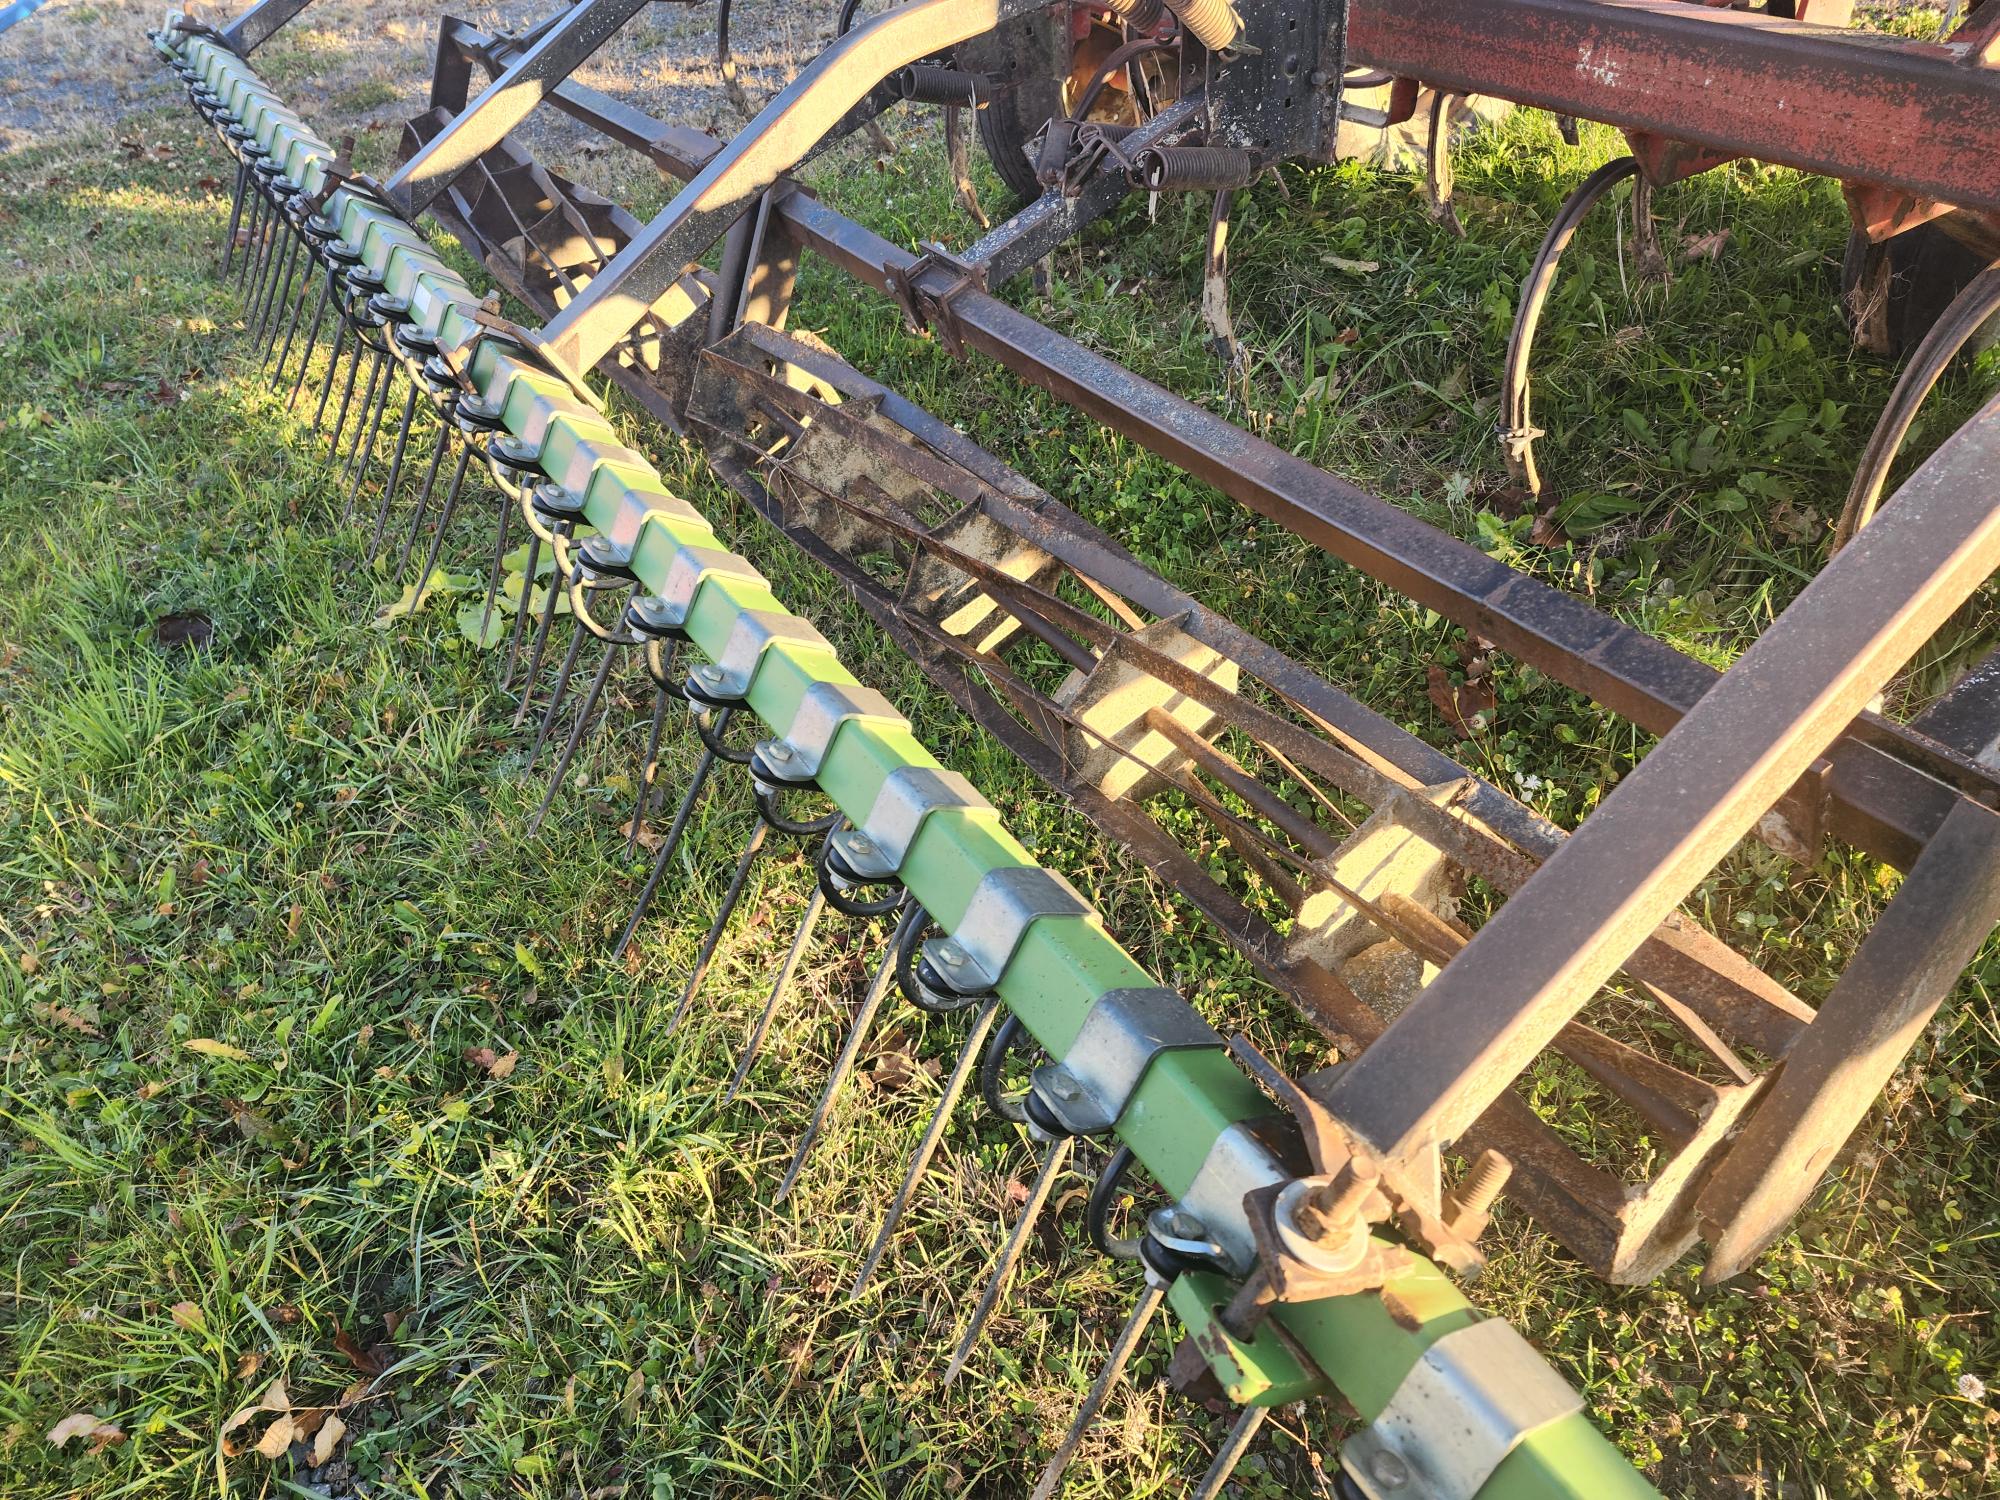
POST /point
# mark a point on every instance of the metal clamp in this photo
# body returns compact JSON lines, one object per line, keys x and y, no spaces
{"x":1462,"y":1408}
{"x":1004,"y":905}
{"x":668,"y":610}
{"x":1120,"y":1036}
{"x":728,"y":679}
{"x":795,"y":756}
{"x":1237,"y":1164}
{"x":909,"y":794}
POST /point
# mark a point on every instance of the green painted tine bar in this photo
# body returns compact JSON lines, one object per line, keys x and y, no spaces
{"x":1188,"y":1097}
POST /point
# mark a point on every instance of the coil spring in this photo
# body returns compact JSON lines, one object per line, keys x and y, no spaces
{"x":1172,"y":169}
{"x":928,"y":83}
{"x":1213,"y":23}
{"x":1140,"y":15}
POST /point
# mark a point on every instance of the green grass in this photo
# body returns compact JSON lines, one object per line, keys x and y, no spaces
{"x":304,"y":843}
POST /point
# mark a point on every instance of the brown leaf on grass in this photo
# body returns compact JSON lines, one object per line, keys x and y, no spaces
{"x":649,"y":839}
{"x":370,"y":1360}
{"x":208,"y":1046}
{"x":199,"y":872}
{"x":1794,"y":524}
{"x":100,"y":1433}
{"x":188,"y":1315}
{"x":628,"y":1399}
{"x":62,"y":1015}
{"x":1467,"y":707}
{"x":249,"y":1365}
{"x":276,"y":1439}
{"x":330,"y":1433}
{"x":275,"y":1399}
{"x":1706,"y":246}
{"x":1017,"y":1192}
{"x":896,"y":1070}
{"x":501,"y":1066}
{"x":292,"y":922}
{"x":207,"y":184}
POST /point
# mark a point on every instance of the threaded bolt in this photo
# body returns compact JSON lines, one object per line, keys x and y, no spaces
{"x":1482,"y":1184}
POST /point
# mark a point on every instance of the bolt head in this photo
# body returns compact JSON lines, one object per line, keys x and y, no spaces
{"x":708,"y":673}
{"x":779,"y":751}
{"x":860,"y":843}
{"x":950,"y":954}
{"x":1389,"y":1471}
{"x":1064,"y":1087}
{"x":1186,"y":1225}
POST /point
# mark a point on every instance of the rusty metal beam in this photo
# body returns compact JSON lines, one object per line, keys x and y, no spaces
{"x":1842,"y":103}
{"x":1546,"y":952}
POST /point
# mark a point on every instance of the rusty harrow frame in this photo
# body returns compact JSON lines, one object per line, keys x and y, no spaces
{"x":1300,"y":1241}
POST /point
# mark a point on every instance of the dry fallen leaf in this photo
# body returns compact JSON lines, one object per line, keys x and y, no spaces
{"x":628,"y":1401}
{"x":330,"y":1433}
{"x":1462,"y":704}
{"x":501,"y":1066}
{"x":208,"y":1046}
{"x":187,"y":1315}
{"x":83,"y":1424}
{"x":276,"y":1439}
{"x":275,"y":1399}
{"x":1705,"y":246}
{"x":371,"y":1360}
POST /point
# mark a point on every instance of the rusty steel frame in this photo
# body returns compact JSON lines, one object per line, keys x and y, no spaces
{"x":1886,"y":787}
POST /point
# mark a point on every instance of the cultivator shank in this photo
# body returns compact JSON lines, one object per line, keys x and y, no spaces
{"x":1301,"y":1221}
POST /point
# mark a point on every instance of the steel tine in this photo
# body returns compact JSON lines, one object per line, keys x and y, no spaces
{"x":519,"y":628}
{"x":498,"y":571}
{"x":377,"y":363}
{"x":1054,"y":1160}
{"x":424,"y":495}
{"x":446,"y":512}
{"x":332,"y":368}
{"x":281,"y":289}
{"x":361,"y":352}
{"x":312,"y":343}
{"x":281,"y":258}
{"x":251,"y":244}
{"x":235,"y":215}
{"x":920,"y":1159}
{"x":583,"y":714}
{"x":395,"y":471}
{"x":713,"y":939}
{"x":559,"y":691}
{"x":373,"y":429}
{"x":260,"y":274}
{"x":543,"y":626}
{"x":291,"y":322}
{"x":666,"y":852}
{"x":1114,"y":1366}
{"x":1230,"y":1454}
{"x":647,"y":762}
{"x":850,"y":1052}
{"x":815,"y":905}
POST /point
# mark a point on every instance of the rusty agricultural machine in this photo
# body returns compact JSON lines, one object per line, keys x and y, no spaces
{"x":1302,"y":1222}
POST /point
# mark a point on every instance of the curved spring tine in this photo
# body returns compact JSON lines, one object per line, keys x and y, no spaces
{"x":235,"y":215}
{"x":920,"y":1159}
{"x":703,"y":769}
{"x":815,"y":905}
{"x":752,"y":847}
{"x":541,"y":644}
{"x":663,"y":695}
{"x":395,"y":472}
{"x":332,"y":366}
{"x":588,"y":707}
{"x":312,"y":342}
{"x":424,"y":496}
{"x":1054,"y":1160}
{"x":531,"y":568}
{"x":911,"y":921}
{"x":1127,"y":1342}
{"x":1230,"y":1454}
{"x":445,"y":513}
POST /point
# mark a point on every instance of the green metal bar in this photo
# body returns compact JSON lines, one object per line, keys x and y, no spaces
{"x":1063,"y":966}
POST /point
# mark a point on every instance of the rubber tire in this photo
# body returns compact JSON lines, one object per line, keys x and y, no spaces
{"x":1928,"y":266}
{"x":1025,"y":59}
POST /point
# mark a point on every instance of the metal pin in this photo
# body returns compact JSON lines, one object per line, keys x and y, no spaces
{"x":520,"y":625}
{"x":648,"y":765}
{"x":251,"y":243}
{"x":377,"y":363}
{"x":701,"y":774}
{"x":1054,"y":1160}
{"x":583,"y":713}
{"x":850,"y":1052}
{"x":372,"y":428}
{"x":361,"y":352}
{"x":559,"y":691}
{"x":281,"y":295}
{"x":551,"y":597}
{"x":260,"y":276}
{"x":291,"y":323}
{"x":235,"y":216}
{"x":395,"y":472}
{"x":920,"y":1159}
{"x":814,"y":906}
{"x":445,"y":513}
{"x":280,"y":277}
{"x":498,"y":572}
{"x":1230,"y":1454}
{"x":332,"y":368}
{"x":312,"y":343}
{"x":1114,"y":1366}
{"x":424,"y":495}
{"x":713,"y":939}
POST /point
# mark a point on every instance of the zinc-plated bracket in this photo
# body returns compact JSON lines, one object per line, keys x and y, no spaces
{"x":690,"y":567}
{"x":1472,"y":1398}
{"x":1237,"y":1164}
{"x":796,"y":754}
{"x":1004,"y":905}
{"x":876,"y":850}
{"x":1120,"y":1036}
{"x":755,"y":632}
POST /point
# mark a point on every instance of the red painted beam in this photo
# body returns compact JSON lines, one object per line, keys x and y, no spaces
{"x":1914,"y":115}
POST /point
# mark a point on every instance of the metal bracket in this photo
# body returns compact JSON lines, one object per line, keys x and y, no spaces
{"x":728,"y":679}
{"x":1004,"y":905}
{"x":690,"y":568}
{"x":1120,"y":1036}
{"x":797,"y":753}
{"x":876,"y":850}
{"x":1462,"y":1408}
{"x":1239,"y":1163}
